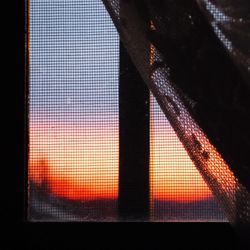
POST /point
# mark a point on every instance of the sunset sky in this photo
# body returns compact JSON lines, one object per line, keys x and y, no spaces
{"x":74,"y":136}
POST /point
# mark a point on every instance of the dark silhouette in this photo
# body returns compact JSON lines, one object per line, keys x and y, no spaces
{"x":43,"y":170}
{"x":201,"y":67}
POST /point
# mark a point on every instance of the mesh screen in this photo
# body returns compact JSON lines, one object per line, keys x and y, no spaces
{"x":73,"y":111}
{"x":74,"y":123}
{"x":178,"y":191}
{"x":132,"y":23}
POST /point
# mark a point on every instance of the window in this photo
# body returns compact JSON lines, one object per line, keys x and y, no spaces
{"x":74,"y":169}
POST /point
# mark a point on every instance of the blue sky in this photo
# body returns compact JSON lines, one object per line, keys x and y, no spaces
{"x":74,"y":60}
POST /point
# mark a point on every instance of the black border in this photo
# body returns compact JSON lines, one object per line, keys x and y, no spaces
{"x":15,"y":230}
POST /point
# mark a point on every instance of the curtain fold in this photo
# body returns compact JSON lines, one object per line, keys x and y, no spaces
{"x":199,"y":74}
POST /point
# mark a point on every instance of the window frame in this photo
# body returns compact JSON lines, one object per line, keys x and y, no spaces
{"x":75,"y":235}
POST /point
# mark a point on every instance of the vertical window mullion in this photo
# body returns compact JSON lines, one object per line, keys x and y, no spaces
{"x":134,"y":142}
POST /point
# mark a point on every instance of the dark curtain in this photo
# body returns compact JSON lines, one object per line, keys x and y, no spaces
{"x":199,"y":72}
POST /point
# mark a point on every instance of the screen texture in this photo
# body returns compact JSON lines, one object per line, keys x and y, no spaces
{"x":73,"y":147}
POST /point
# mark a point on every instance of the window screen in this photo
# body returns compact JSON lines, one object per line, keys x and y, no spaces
{"x":74,"y":125}
{"x":178,"y":192}
{"x":73,"y":111}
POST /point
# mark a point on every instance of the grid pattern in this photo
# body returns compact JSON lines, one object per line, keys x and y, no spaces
{"x":178,"y":191}
{"x":132,"y":23}
{"x":73,"y":125}
{"x":73,"y":112}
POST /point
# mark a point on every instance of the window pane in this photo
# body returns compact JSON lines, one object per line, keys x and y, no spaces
{"x":178,"y":192}
{"x":74,"y":125}
{"x":73,"y":111}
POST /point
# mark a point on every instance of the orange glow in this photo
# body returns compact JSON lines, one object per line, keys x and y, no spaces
{"x":173,"y":175}
{"x":82,"y":163}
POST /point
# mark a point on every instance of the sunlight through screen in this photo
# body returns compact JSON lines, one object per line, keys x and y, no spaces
{"x":178,"y":192}
{"x":73,"y":112}
{"x":73,"y":169}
